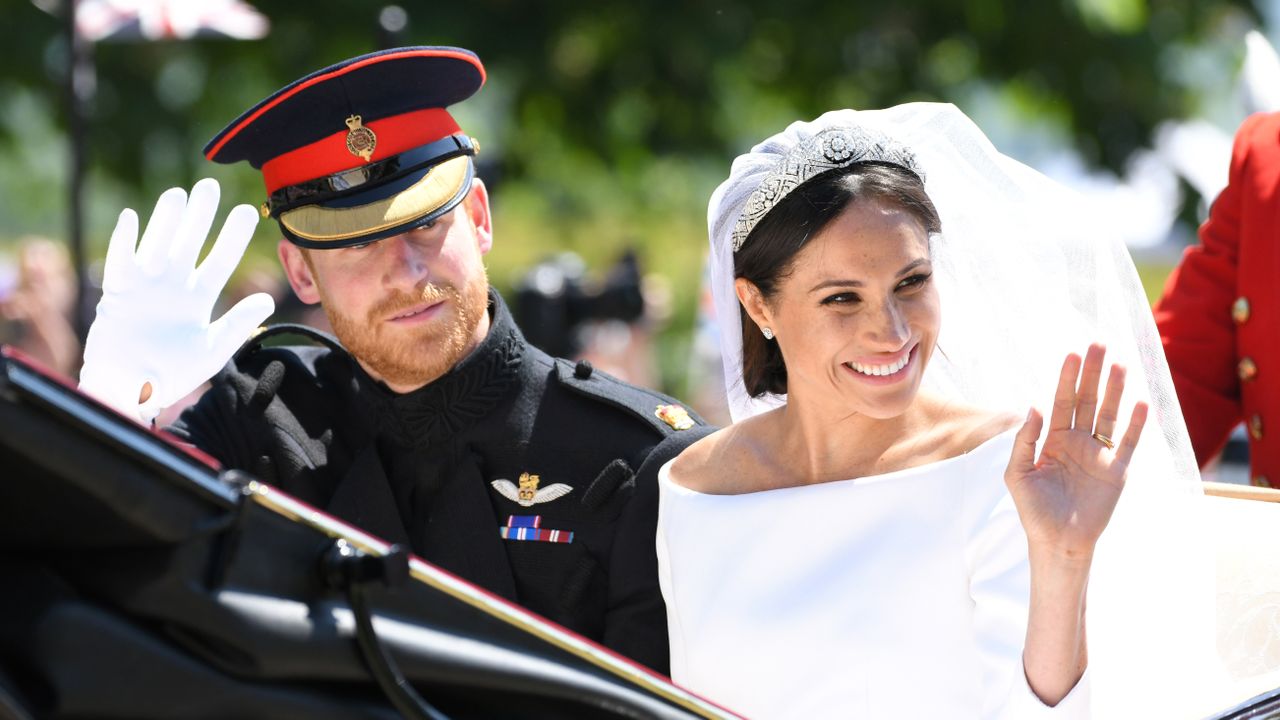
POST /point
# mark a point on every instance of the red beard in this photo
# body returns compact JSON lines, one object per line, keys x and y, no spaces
{"x":414,"y":356}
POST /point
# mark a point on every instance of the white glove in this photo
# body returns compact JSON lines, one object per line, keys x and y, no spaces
{"x":153,"y":322}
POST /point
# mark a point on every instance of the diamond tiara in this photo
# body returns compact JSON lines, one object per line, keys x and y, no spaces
{"x":829,"y":149}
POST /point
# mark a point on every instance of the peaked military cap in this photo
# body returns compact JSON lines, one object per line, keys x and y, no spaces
{"x":361,"y":150}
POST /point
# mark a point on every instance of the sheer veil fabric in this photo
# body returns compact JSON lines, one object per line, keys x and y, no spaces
{"x":1025,"y":276}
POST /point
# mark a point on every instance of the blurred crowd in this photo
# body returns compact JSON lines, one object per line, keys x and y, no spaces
{"x":37,"y":304}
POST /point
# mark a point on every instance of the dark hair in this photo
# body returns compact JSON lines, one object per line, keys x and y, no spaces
{"x":769,"y":251}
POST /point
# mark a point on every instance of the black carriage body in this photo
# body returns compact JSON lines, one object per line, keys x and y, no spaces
{"x":138,"y":582}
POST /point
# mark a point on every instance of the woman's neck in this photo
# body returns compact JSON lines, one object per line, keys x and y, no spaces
{"x":820,"y":445}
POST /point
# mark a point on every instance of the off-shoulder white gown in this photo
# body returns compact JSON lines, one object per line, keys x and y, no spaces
{"x":900,"y":595}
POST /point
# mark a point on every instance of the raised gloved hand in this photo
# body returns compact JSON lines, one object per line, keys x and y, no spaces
{"x":153,"y":322}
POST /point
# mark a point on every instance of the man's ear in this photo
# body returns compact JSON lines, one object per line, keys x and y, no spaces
{"x":298,"y":270}
{"x":753,"y":300}
{"x":476,"y":206}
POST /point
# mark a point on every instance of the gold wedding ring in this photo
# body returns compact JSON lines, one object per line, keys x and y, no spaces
{"x":1105,"y":440}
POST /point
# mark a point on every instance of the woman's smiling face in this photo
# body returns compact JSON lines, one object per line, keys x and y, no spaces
{"x":857,"y":315}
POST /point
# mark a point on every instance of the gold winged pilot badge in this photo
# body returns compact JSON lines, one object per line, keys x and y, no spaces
{"x":528,"y":494}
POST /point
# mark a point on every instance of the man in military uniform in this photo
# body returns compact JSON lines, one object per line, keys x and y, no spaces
{"x":1220,"y":311}
{"x":433,"y":424}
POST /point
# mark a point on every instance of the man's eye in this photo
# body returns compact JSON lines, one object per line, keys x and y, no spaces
{"x":359,"y":246}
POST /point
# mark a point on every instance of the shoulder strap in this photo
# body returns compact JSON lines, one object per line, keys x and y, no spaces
{"x":664,"y":414}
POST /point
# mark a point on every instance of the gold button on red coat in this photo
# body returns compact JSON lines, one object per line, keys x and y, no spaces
{"x":1247,"y":369}
{"x":1260,"y":481}
{"x":1255,"y":427}
{"x":1240,"y":310}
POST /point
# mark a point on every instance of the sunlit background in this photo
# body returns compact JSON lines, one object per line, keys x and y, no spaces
{"x":606,"y":126}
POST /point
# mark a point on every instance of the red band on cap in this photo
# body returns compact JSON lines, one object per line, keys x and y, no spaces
{"x":330,"y":155}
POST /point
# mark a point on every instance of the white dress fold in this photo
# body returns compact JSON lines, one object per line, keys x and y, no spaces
{"x":896,"y":595}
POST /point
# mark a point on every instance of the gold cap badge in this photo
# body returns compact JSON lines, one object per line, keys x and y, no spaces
{"x":675,"y":416}
{"x":360,"y":140}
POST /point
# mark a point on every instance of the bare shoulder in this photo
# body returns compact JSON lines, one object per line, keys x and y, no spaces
{"x":689,"y":467}
{"x":964,"y":428}
{"x":985,"y":425}
{"x":720,"y":463}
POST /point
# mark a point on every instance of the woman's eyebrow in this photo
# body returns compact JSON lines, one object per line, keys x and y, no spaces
{"x":912,"y":266}
{"x":836,"y":282}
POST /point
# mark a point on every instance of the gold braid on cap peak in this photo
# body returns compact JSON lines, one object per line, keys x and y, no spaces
{"x":830,"y":148}
{"x":437,"y":188}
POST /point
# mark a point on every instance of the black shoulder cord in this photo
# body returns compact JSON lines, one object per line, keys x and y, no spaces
{"x":347,"y":568}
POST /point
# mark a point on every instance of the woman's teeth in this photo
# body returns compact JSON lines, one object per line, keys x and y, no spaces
{"x":881,"y":369}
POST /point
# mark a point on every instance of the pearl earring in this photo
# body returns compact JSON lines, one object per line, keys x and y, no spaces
{"x":768,"y":334}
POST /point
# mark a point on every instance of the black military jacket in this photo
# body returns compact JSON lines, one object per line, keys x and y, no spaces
{"x":442,"y":469}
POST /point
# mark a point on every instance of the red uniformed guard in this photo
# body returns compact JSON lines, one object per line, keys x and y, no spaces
{"x":1220,"y":314}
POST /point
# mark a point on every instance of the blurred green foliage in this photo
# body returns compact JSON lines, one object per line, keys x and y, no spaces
{"x":606,"y":125}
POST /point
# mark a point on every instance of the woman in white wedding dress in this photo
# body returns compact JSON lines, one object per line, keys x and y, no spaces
{"x":877,"y":535}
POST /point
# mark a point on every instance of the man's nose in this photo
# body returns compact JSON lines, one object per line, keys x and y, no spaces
{"x":406,"y":260}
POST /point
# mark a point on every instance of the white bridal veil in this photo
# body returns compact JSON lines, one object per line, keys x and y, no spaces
{"x":1025,"y":276}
